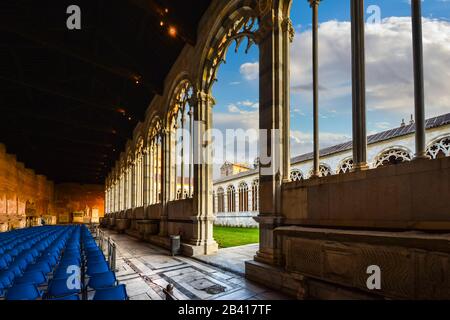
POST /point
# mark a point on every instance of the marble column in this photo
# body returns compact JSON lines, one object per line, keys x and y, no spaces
{"x":315,"y":57}
{"x":166,"y":178}
{"x":358,"y":86}
{"x":273,"y":82}
{"x":202,"y":241}
{"x":288,"y":37}
{"x":419,"y":95}
{"x":145,"y":179}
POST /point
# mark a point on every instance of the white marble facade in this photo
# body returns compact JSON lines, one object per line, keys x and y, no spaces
{"x":333,"y":162}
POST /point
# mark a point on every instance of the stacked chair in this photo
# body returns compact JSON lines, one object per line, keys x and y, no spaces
{"x":55,"y":263}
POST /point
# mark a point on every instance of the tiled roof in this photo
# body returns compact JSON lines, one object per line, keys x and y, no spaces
{"x":378,"y":137}
{"x":431,"y":123}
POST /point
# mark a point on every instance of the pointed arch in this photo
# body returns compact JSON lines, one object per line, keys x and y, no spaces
{"x":392,"y":156}
{"x":439,"y":147}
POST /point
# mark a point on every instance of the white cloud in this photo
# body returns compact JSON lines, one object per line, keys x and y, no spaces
{"x":250,"y":70}
{"x":302,"y":142}
{"x":248,"y":103}
{"x":389,"y":67}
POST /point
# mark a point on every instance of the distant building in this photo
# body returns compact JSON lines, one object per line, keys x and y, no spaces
{"x":230,"y":169}
{"x":236,"y":195}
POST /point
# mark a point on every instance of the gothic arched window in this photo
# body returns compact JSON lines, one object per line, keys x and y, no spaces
{"x":392,"y":156}
{"x":345,"y":166}
{"x":243,"y":197}
{"x":440,"y":148}
{"x":255,"y":195}
{"x":231,"y":198}
{"x":181,"y":119}
{"x":220,"y":200}
{"x":296,"y":175}
{"x":324,"y":170}
{"x":154,"y":164}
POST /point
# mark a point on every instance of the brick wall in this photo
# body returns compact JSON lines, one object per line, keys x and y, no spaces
{"x":26,"y":197}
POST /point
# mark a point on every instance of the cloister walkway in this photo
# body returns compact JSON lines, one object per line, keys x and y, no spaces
{"x":231,"y":259}
{"x":146,"y":269}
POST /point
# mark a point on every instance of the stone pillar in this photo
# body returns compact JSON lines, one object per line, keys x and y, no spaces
{"x":419,"y":95}
{"x":167,"y":176}
{"x":271,"y":38}
{"x":145,"y":178}
{"x":358,"y":86}
{"x":133,"y":184}
{"x":315,"y":56}
{"x":202,"y":241}
{"x":288,"y":37}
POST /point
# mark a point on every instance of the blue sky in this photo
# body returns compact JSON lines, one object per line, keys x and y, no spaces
{"x":389,"y":72}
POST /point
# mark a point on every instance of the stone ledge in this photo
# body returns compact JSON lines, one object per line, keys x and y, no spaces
{"x":414,"y":265}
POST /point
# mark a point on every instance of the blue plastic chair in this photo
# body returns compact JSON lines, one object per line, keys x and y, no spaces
{"x":60,"y":287}
{"x":93,"y":254}
{"x":25,"y":291}
{"x":17,"y":268}
{"x":73,"y":297}
{"x":34,"y":277}
{"x":95,"y":268}
{"x":95,"y":259}
{"x":62,"y":273}
{"x":102,"y":280}
{"x":49,"y":259}
{"x":6,"y":278}
{"x":114,"y":293}
{"x":43,"y":267}
{"x":5,"y":261}
{"x":73,"y":261}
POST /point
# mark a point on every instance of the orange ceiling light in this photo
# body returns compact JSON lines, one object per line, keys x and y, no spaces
{"x":172,"y":31}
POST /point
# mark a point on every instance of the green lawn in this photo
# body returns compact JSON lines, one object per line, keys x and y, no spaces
{"x":232,"y":237}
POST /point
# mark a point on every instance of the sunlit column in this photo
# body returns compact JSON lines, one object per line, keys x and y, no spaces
{"x":203,"y":174}
{"x":419,"y":95}
{"x":358,"y":86}
{"x":183,"y":120}
{"x":315,"y":56}
{"x":158,"y":168}
{"x":191,"y":150}
{"x":152,"y":176}
{"x":146,"y":176}
{"x":288,"y":37}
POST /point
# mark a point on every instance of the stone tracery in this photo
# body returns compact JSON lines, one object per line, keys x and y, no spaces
{"x":392,"y":156}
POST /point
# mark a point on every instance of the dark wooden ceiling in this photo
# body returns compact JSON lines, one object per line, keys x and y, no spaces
{"x":69,"y":98}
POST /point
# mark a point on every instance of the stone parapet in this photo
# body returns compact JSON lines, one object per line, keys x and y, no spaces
{"x":412,"y":195}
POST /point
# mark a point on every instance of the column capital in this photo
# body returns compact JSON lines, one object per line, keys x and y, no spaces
{"x":289,"y":28}
{"x":314,"y":3}
{"x":204,"y":98}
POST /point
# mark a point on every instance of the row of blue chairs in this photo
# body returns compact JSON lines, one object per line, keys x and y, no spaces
{"x":34,"y":254}
{"x":62,"y":263}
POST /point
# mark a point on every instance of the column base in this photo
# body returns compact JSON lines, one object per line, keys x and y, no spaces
{"x":421,"y":157}
{"x":191,"y":250}
{"x":360,"y":167}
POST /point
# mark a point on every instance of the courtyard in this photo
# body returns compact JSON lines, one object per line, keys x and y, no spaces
{"x":228,"y":237}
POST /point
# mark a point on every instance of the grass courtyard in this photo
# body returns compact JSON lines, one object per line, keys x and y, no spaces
{"x":231,"y":237}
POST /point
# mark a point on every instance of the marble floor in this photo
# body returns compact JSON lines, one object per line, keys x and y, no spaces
{"x":146,"y":270}
{"x":231,"y":259}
